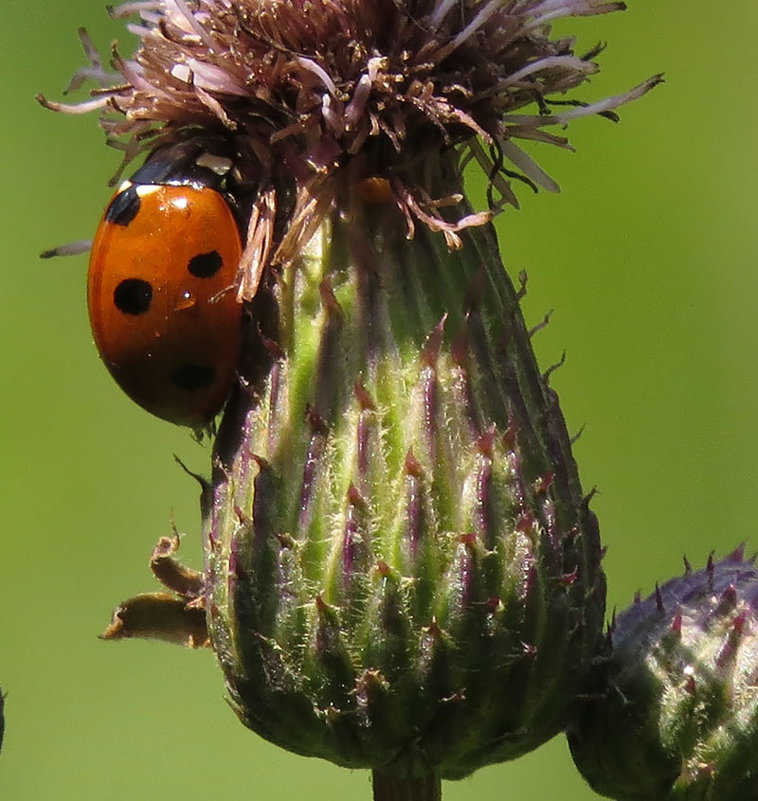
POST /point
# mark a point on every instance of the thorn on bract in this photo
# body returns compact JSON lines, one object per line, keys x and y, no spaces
{"x":412,"y":465}
{"x":431,"y":348}
{"x":676,"y":623}
{"x":523,"y":279}
{"x":553,"y":367}
{"x":363,"y":396}
{"x":659,"y":599}
{"x":576,"y":437}
{"x":541,"y":325}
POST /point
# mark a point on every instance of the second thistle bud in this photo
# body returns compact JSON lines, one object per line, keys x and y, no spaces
{"x":402,"y":570}
{"x":673,"y":715}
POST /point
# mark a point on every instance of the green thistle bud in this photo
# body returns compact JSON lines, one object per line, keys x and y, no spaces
{"x":402,"y":572}
{"x":673,"y":714}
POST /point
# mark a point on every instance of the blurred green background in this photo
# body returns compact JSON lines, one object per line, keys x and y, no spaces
{"x":648,"y":257}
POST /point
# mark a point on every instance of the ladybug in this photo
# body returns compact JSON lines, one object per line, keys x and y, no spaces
{"x":162,"y":285}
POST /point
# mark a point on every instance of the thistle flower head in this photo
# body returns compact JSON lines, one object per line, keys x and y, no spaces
{"x":674,"y":713}
{"x":317,"y":95}
{"x":402,"y":572}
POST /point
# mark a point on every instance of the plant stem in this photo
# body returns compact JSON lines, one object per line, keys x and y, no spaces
{"x":390,"y":788}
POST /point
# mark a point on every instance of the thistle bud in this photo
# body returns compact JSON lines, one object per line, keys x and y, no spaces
{"x":402,"y":572}
{"x":672,"y":714}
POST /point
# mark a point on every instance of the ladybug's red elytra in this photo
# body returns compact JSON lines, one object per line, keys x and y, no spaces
{"x":161,"y":287}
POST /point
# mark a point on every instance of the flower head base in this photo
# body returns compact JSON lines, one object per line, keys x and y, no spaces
{"x":376,"y":90}
{"x":674,"y":716}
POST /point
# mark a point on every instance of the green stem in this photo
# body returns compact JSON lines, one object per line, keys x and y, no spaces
{"x":390,"y":788}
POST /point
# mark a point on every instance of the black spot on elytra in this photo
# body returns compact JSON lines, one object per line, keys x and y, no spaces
{"x":133,"y":296}
{"x":205,"y":265}
{"x":192,"y":377}
{"x":124,"y":207}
